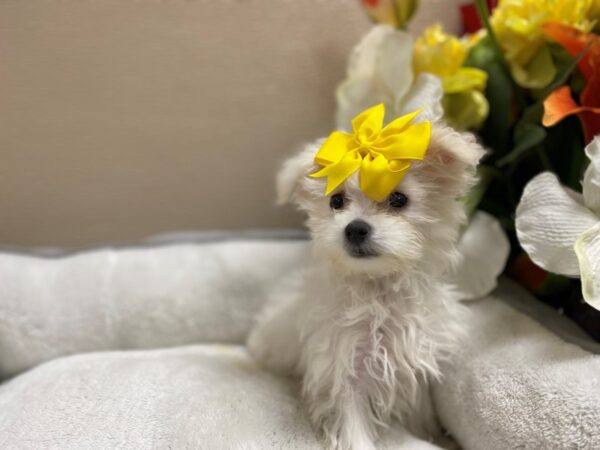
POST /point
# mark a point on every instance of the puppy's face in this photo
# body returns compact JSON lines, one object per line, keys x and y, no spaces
{"x":413,"y":229}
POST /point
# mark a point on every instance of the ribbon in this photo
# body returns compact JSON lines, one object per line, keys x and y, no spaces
{"x":382,"y":154}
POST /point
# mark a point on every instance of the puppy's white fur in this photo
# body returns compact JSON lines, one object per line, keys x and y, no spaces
{"x":367,"y":335}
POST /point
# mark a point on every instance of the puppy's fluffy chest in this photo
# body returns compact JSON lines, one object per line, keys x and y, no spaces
{"x":375,"y":334}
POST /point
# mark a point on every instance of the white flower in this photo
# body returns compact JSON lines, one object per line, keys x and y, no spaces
{"x":380,"y":71}
{"x":484,"y":249}
{"x":560,"y":228}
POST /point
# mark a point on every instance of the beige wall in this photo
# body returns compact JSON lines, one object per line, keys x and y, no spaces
{"x":119,"y":119}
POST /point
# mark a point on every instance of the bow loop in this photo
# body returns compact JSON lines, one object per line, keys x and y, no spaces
{"x":367,"y":125}
{"x":334,"y":148}
{"x":411,"y":143}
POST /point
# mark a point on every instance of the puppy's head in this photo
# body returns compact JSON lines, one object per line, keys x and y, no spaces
{"x":415,"y":228}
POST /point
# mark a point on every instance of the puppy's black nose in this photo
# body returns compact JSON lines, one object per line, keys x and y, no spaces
{"x":357,"y":231}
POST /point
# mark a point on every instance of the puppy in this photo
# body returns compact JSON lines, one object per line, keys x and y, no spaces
{"x":373,"y":318}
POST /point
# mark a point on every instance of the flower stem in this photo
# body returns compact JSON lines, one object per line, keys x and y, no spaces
{"x":483,"y":13}
{"x":576,"y":169}
{"x":543,"y":158}
{"x":485,"y":20}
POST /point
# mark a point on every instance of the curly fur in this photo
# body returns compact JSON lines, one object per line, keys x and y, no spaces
{"x":367,"y":335}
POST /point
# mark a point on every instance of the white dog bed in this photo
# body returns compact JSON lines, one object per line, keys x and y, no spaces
{"x":80,"y":352}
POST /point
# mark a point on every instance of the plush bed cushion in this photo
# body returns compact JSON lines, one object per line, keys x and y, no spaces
{"x":161,"y":295}
{"x":516,"y":384}
{"x":207,"y":397}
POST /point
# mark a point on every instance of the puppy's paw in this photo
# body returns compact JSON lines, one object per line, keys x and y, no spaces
{"x":271,"y":348}
{"x":353,"y":438}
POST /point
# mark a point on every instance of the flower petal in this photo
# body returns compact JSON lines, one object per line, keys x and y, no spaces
{"x":377,"y":73}
{"x":426,"y":94}
{"x":484,"y":249}
{"x":590,"y":98}
{"x":591,"y":179}
{"x":587,"y":248}
{"x":359,"y":90}
{"x":363,"y":56}
{"x":355,"y":95}
{"x":393,"y":65}
{"x":538,"y":72}
{"x":573,"y":41}
{"x":465,"y":79}
{"x":549,"y":219}
{"x":590,"y":121}
{"x":558,"y":105}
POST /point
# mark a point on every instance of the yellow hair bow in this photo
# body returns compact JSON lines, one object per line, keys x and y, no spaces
{"x":383,"y":154}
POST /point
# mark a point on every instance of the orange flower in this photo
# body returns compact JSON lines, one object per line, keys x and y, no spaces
{"x":560,"y":103}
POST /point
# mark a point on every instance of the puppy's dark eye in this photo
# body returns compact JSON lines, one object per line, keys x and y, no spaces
{"x":398,"y":200}
{"x":337,"y":201}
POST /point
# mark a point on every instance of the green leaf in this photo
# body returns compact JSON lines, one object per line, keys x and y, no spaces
{"x":473,"y":198}
{"x":499,"y":91}
{"x":484,"y":15}
{"x":526,"y":137}
{"x":563,"y":73}
{"x":495,"y":131}
{"x":481,"y":54}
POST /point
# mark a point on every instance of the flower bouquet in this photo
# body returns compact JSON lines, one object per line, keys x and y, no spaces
{"x":526,"y":78}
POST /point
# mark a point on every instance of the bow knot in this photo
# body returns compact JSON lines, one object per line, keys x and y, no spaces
{"x":364,"y":149}
{"x":383,"y":154}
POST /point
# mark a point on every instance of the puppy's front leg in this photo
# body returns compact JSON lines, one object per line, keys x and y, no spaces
{"x":348,"y":426}
{"x":342,"y":413}
{"x":421,"y":418}
{"x":275,"y":341}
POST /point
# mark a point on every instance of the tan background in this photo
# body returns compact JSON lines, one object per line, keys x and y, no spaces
{"x":120,"y":119}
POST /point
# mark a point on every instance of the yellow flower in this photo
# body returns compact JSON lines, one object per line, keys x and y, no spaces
{"x":392,"y":12}
{"x":595,"y":10}
{"x":518,"y":27}
{"x":383,"y":154}
{"x":443,"y":55}
{"x":595,"y":14}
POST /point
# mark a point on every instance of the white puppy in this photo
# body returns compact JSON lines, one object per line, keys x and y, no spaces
{"x":373,"y":318}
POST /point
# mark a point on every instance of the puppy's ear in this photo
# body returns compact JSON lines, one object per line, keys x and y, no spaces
{"x":452,"y":158}
{"x":293,"y":171}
